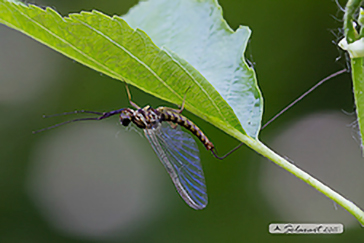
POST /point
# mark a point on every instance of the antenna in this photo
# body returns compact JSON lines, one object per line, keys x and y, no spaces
{"x":73,"y":112}
{"x":103,"y":115}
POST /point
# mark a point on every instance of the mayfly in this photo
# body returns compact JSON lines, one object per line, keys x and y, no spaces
{"x":176,"y":149}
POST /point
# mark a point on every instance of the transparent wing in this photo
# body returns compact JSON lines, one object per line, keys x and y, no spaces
{"x":179,"y":154}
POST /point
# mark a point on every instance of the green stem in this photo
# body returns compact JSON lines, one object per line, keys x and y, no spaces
{"x":357,"y":74}
{"x":304,"y":176}
{"x":358,"y":82}
{"x":357,"y":71}
{"x":350,"y":32}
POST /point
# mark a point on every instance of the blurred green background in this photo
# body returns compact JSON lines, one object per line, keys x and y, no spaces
{"x":97,"y":182}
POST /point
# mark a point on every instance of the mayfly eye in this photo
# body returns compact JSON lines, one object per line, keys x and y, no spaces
{"x":125,"y":122}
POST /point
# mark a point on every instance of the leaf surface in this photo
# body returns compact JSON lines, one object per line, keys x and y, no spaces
{"x":192,"y":48}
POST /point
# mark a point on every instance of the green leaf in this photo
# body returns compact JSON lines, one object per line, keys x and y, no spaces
{"x":197,"y":32}
{"x":111,"y":46}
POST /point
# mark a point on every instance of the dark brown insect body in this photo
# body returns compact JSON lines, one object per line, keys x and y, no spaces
{"x":181,"y":120}
{"x":148,"y":117}
{"x":176,"y":149}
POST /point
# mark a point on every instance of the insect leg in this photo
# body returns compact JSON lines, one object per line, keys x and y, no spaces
{"x":129,"y":96}
{"x":179,"y":111}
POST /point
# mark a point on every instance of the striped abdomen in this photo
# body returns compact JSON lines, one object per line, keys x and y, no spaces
{"x":179,"y":119}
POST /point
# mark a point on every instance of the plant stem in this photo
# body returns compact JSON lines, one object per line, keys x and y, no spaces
{"x":358,"y":82}
{"x":357,"y":71}
{"x":357,"y":74}
{"x":304,"y":176}
{"x":350,"y":33}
